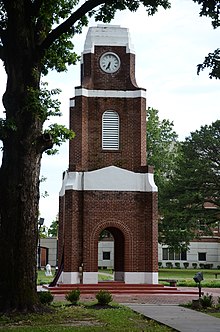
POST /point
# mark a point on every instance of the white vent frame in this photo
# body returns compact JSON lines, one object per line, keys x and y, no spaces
{"x":110,"y":130}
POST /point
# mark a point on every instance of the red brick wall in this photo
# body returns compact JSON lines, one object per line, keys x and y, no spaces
{"x":128,"y":216}
{"x":94,"y":78}
{"x":86,"y":152}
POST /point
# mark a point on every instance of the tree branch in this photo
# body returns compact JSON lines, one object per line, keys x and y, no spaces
{"x":66,"y":25}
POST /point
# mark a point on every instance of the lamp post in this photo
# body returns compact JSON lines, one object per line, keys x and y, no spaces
{"x":40,"y":223}
{"x":198,"y":278}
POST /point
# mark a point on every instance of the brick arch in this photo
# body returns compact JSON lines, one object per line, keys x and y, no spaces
{"x":118,"y":228}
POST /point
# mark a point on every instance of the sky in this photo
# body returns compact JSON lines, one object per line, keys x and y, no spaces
{"x":168,"y":47}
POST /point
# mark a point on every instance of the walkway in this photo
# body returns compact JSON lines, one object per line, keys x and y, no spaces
{"x":166,"y":310}
{"x":179,"y":318}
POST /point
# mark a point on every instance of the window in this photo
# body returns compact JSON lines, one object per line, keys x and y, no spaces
{"x":106,"y":255}
{"x":202,"y":256}
{"x":110,"y":130}
{"x":170,"y":255}
{"x":165,"y":254}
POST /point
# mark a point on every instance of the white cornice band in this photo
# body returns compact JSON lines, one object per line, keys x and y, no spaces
{"x":79,"y":91}
{"x":107,"y":34}
{"x":110,"y":178}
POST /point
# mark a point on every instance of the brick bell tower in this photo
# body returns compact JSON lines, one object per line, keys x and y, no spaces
{"x":108,"y":185}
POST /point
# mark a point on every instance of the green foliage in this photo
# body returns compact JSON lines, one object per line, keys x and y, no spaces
{"x":207,"y":301}
{"x":194,"y":265}
{"x":59,"y":134}
{"x":162,"y":147}
{"x":177,"y":264}
{"x":212,"y":61}
{"x":104,"y":297}
{"x":59,"y":55}
{"x":210,"y":9}
{"x":186,"y":265}
{"x":73,"y":296}
{"x":192,"y":188}
{"x":169,"y":265}
{"x":41,"y":102}
{"x":45,"y":297}
{"x":53,"y":229}
{"x":61,"y":318}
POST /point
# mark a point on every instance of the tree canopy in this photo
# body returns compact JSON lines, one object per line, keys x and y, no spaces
{"x":162,"y":149}
{"x":192,"y":198}
{"x":210,"y":9}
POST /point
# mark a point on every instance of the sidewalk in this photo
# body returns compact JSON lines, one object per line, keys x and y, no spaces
{"x":166,"y":310}
{"x":176,"y":317}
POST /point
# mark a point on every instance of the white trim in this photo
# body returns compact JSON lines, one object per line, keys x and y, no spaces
{"x":79,"y":91}
{"x":69,"y":278}
{"x":110,"y":35}
{"x":72,"y":102}
{"x":90,"y":277}
{"x":110,"y":178}
{"x":141,"y":277}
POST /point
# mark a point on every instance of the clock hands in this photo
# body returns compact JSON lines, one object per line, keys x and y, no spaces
{"x":108,"y":67}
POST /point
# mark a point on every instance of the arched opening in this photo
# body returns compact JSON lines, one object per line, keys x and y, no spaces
{"x":111,"y":249}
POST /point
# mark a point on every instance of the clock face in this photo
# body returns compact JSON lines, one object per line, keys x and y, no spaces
{"x":110,"y":62}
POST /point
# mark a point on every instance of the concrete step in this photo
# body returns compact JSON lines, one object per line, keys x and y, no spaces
{"x":117,"y":288}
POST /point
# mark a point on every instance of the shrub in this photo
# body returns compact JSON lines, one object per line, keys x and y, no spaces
{"x":73,"y":296}
{"x":218,"y":267}
{"x":207,"y":301}
{"x":45,"y":297}
{"x":194,"y":265}
{"x":160,"y":264}
{"x":104,"y":297}
{"x":177,"y":264}
{"x":185,"y":264}
{"x":201,"y":265}
{"x":208,"y":266}
{"x":169,"y":265}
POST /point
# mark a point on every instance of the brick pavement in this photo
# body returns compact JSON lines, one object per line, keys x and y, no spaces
{"x":153,"y":298}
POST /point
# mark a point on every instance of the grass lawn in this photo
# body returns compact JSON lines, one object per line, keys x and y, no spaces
{"x":215,"y":314}
{"x":82,"y":318}
{"x":42,"y":279}
{"x":185,"y":277}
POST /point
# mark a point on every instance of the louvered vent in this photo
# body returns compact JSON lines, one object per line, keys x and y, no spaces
{"x":110,"y":130}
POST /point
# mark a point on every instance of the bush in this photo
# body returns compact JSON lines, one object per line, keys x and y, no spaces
{"x":207,"y":301}
{"x":201,"y":265}
{"x":208,"y":266}
{"x":45,"y":297}
{"x":194,"y":265}
{"x":160,"y":265}
{"x":186,"y":264}
{"x":169,"y":265}
{"x":177,"y":265}
{"x":218,"y":267}
{"x":104,"y":297}
{"x":73,"y":296}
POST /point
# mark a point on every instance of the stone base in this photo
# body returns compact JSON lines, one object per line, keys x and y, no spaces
{"x":92,"y":277}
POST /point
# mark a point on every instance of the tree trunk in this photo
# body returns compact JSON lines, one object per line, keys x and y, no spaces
{"x":23,"y":145}
{"x":19,"y":195}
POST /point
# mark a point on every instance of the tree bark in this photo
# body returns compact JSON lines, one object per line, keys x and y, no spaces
{"x":19,"y":173}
